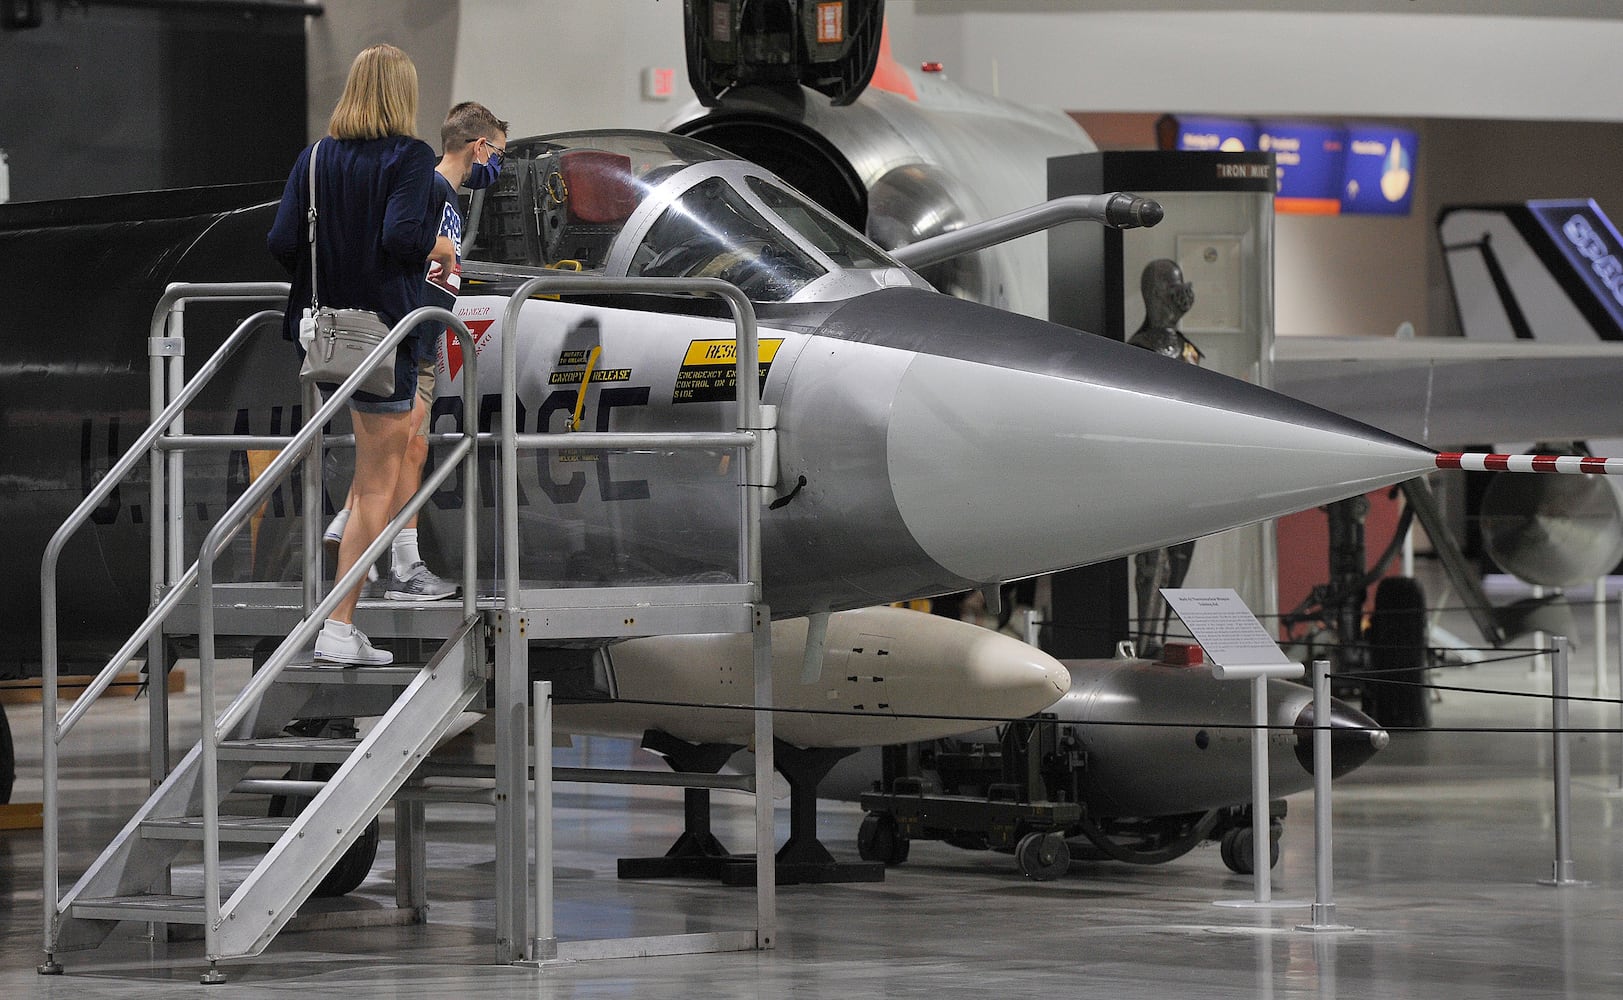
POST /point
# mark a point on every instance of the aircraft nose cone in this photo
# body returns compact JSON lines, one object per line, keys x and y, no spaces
{"x":998,"y":674}
{"x":1354,"y":737}
{"x":1040,"y":464}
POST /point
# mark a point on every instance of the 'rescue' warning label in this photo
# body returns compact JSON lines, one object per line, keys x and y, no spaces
{"x":709,"y":373}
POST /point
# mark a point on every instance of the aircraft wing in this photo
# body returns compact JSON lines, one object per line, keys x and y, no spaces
{"x":1443,"y":391}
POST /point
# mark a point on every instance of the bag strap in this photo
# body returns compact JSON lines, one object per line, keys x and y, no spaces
{"x":315,"y":304}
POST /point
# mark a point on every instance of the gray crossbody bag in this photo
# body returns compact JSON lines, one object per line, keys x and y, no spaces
{"x":336,"y":341}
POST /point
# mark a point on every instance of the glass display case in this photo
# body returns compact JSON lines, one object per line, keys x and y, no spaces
{"x":1218,"y":230}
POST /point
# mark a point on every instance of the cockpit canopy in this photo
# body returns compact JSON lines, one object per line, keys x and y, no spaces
{"x":658,"y":205}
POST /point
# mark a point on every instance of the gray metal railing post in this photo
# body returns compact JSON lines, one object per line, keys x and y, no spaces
{"x":54,"y":729}
{"x":1261,"y":839}
{"x":311,"y":588}
{"x":544,"y":946}
{"x":165,"y":570}
{"x":511,"y":832}
{"x":216,"y":728}
{"x":1324,"y":908}
{"x":1600,"y":610}
{"x":1561,"y":873}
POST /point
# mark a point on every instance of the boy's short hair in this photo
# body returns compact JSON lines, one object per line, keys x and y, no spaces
{"x":467,"y":122}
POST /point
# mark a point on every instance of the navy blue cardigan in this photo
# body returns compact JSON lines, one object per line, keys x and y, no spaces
{"x":375,"y":230}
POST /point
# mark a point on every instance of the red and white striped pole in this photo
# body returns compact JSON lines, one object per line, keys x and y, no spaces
{"x":1572,"y":465}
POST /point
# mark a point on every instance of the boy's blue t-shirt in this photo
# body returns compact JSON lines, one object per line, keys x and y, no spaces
{"x":440,"y":289}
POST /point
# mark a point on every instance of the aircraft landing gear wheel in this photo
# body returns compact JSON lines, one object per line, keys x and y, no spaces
{"x":1235,"y":847}
{"x":879,"y":840}
{"x":1043,"y":856}
{"x":355,"y":864}
{"x":8,"y":759}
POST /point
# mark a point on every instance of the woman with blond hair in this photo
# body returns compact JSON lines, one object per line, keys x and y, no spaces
{"x":374,"y":180}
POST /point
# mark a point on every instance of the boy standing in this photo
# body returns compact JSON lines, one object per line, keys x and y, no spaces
{"x":473,"y":141}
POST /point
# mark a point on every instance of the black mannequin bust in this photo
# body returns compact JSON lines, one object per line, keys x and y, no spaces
{"x":1166,"y":298}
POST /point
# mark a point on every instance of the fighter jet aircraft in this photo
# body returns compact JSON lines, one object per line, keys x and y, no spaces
{"x":924,"y":444}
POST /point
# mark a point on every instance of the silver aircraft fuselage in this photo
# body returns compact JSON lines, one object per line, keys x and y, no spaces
{"x":943,"y":444}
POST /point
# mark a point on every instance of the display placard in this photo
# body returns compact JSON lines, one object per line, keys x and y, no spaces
{"x":1225,"y":135}
{"x":1309,"y":160}
{"x":1379,"y":174}
{"x":1229,"y":633}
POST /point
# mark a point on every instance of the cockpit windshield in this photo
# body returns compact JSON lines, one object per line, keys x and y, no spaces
{"x":712,"y":232}
{"x":660,"y":205}
{"x":826,"y":233}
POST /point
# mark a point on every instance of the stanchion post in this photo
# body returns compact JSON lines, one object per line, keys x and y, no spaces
{"x":1540,"y":663}
{"x":544,"y":946}
{"x":1261,"y":837}
{"x":1600,"y":637}
{"x":1562,"y":871}
{"x":1261,"y":842}
{"x":1324,"y":907}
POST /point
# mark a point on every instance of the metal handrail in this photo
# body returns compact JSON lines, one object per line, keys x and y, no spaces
{"x":747,"y":436}
{"x":156,"y":439}
{"x":215,"y":728}
{"x":54,"y":728}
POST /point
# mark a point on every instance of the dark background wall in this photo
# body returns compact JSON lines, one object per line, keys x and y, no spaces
{"x":101,"y":98}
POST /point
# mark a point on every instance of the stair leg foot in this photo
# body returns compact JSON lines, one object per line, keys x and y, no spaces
{"x":213,"y":977}
{"x":50,"y":967}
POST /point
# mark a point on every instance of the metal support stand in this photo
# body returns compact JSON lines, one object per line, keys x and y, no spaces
{"x":1324,"y":907}
{"x":1539,"y":663}
{"x":512,"y":833}
{"x":1262,"y":842}
{"x":1619,"y":789}
{"x":1562,"y":870}
{"x":1600,"y":637}
{"x":1031,"y":626}
{"x":544,"y":945}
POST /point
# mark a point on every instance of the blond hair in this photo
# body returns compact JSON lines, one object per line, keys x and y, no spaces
{"x":380,"y":96}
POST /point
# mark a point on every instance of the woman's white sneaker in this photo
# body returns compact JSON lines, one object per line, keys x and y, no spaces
{"x":343,"y":644}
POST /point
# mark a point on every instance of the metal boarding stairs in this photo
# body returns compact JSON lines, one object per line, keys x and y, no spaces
{"x":131,"y":879}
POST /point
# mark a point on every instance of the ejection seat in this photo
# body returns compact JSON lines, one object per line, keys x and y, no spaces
{"x":591,"y":194}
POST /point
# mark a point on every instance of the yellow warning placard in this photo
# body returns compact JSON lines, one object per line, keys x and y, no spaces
{"x":600,"y":375}
{"x":725,"y":352}
{"x":709,"y":370}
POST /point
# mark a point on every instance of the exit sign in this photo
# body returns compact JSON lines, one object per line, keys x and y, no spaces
{"x":658,"y":83}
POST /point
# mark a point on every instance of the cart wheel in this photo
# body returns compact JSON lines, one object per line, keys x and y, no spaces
{"x":878,"y":840}
{"x":1235,"y":848}
{"x":1043,"y":856}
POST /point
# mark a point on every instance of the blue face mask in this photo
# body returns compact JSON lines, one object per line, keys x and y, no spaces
{"x":483,"y":175}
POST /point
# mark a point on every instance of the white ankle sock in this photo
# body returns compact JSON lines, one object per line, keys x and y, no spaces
{"x":404,"y":554}
{"x":336,"y":628}
{"x":340,"y":519}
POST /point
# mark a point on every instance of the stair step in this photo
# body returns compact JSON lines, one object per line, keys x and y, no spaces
{"x":233,"y":829}
{"x":308,"y":674}
{"x":290,"y":749}
{"x":280,"y":786}
{"x":154,"y":908}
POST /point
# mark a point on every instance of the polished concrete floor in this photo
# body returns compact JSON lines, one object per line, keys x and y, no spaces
{"x":1440,"y":846}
